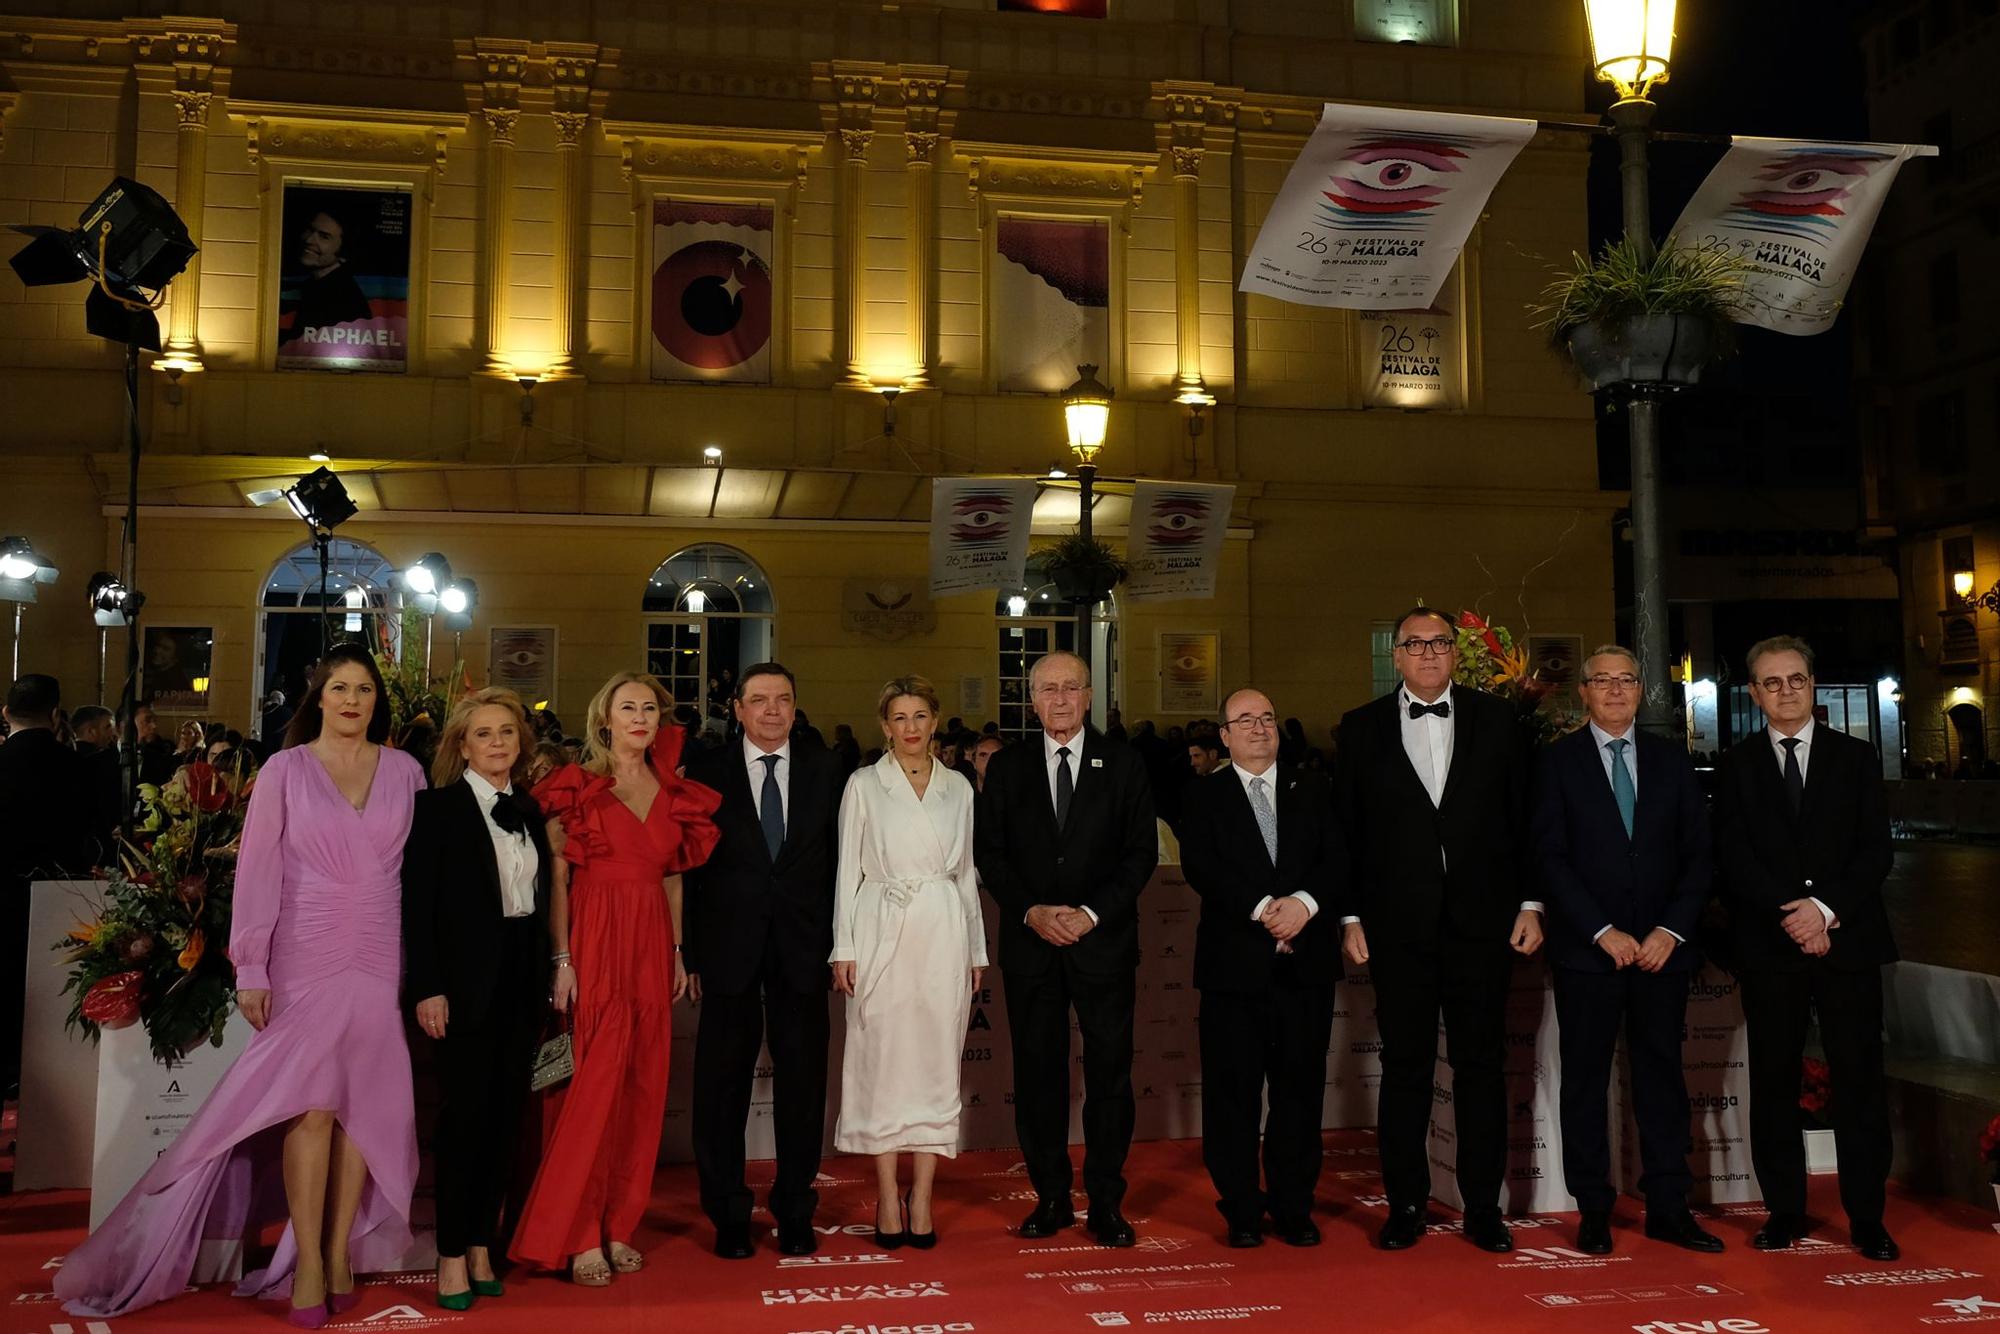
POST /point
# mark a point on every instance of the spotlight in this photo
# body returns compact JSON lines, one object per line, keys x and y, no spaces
{"x":111,"y":603}
{"x":321,"y":500}
{"x":712,"y":456}
{"x":21,"y":568}
{"x":426,"y":579}
{"x":130,"y":243}
{"x":456,"y":602}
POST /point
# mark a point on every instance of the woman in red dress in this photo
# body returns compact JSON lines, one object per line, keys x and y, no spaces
{"x":627,"y":826}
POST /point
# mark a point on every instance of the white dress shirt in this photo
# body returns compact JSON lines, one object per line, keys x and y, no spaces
{"x":1631,"y":761}
{"x":1804,"y":751}
{"x":1427,"y":741}
{"x":1270,"y":777}
{"x":1050,"y":761}
{"x":753,"y":760}
{"x":513,"y":854}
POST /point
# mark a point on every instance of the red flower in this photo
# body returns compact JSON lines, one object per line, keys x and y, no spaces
{"x":1815,"y":1086}
{"x":1471,"y":620}
{"x":206,"y":788}
{"x":114,"y":1001}
{"x":1989,"y":1141}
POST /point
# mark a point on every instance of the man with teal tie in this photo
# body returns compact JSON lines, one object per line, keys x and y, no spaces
{"x":1621,"y":846}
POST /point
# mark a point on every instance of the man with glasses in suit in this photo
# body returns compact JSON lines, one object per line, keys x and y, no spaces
{"x":1802,"y":848}
{"x":1432,"y":783}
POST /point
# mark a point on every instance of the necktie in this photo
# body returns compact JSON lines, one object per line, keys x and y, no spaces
{"x":1065,"y":786}
{"x":1267,"y":819}
{"x":1441,"y":709}
{"x":1795,"y":777}
{"x":1622,"y":791}
{"x":771,"y":807}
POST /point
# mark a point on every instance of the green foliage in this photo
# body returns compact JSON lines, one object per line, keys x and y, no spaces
{"x":1620,"y":284}
{"x":1084,"y":560}
{"x":411,"y":693}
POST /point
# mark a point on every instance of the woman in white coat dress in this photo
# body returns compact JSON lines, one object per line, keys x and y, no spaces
{"x":909,"y":946}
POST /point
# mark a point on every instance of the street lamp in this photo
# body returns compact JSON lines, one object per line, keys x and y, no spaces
{"x":1631,"y":45}
{"x":1087,"y":412}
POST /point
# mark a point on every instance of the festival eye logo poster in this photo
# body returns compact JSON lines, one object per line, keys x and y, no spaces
{"x":1174,"y":543}
{"x":344,"y":279}
{"x":1051,"y":302}
{"x":1799,"y":213}
{"x":712,"y":305}
{"x":979,"y":532}
{"x":1377,"y":208}
{"x":1190,"y":670}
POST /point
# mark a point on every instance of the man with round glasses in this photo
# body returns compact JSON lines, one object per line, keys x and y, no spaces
{"x":1802,"y":849}
{"x":1433,"y":798}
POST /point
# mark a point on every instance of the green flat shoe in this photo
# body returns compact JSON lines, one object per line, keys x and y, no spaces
{"x":457,"y":1301}
{"x":488,"y":1287}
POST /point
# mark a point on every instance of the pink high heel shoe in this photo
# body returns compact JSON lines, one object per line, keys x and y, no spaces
{"x":340,"y":1303}
{"x":308,"y":1317}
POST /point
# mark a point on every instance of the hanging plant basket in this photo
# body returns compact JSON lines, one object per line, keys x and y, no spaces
{"x":1631,"y":318}
{"x":1083,"y":569}
{"x":1666,"y":350}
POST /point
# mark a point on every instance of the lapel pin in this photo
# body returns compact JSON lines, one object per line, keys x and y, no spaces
{"x":1097,"y":764}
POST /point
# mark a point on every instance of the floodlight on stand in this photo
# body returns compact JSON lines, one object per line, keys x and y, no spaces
{"x":21,"y":568}
{"x":456,"y":602}
{"x":426,"y":579}
{"x":111,"y":603}
{"x":321,"y":500}
{"x":130,"y":243}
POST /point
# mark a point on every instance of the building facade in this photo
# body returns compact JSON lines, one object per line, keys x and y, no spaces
{"x":644,"y":458}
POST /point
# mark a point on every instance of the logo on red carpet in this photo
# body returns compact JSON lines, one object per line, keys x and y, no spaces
{"x":854,"y":1292}
{"x":1612,"y":1296}
{"x":407,"y":1317}
{"x":1898,"y":1278}
{"x":1737,"y":1325}
{"x":820,"y":1261}
{"x":1965,"y":1311}
{"x":1558,"y":1257}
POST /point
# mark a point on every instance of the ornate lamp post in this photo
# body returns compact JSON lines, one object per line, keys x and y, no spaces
{"x":1087,"y":410}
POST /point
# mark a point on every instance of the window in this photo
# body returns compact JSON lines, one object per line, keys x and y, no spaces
{"x":1032,"y":621}
{"x":1408,"y":22}
{"x":1941,"y":434}
{"x":1944,"y":288}
{"x":709,"y":614}
{"x":361,"y":604}
{"x":1382,"y":659}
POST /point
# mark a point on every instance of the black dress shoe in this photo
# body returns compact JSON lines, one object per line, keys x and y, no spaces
{"x":1779,"y":1232}
{"x":1681,"y":1230}
{"x":921,"y":1241}
{"x":797,"y":1239}
{"x":1405,"y":1225}
{"x":732,"y":1241}
{"x":1047,"y":1220}
{"x":1296,"y":1231}
{"x":1593,"y":1233}
{"x":1242,"y":1235}
{"x":1874,"y":1242}
{"x":1111,"y":1229}
{"x":1489,"y":1233}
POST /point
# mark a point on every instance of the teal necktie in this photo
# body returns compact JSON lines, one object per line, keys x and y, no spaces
{"x":1622,"y":790}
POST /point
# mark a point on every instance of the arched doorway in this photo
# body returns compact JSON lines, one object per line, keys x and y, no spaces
{"x":1033,"y":620}
{"x":1965,"y":739}
{"x":709,"y":614}
{"x":362,"y":606}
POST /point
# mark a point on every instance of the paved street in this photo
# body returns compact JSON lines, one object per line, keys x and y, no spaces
{"x":1944,"y":902}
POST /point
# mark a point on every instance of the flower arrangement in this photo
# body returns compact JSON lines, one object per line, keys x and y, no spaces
{"x":1815,"y":1091}
{"x":1490,"y":659}
{"x":1989,"y":1147}
{"x":413,"y":694}
{"x":154,"y":954}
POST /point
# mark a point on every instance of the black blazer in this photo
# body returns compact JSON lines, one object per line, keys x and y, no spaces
{"x":1401,"y":889}
{"x":452,"y":912}
{"x":45,"y":794}
{"x":740,"y":897}
{"x":1099,"y":860}
{"x":1594,"y":875}
{"x":1836,"y":849}
{"x":1223,"y":857}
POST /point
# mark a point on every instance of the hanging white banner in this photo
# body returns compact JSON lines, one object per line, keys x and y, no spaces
{"x":1174,"y":543}
{"x":979,"y":532}
{"x":1378,"y":206}
{"x":1799,"y":213}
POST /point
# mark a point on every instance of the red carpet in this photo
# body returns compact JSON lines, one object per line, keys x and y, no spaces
{"x":981,"y":1278}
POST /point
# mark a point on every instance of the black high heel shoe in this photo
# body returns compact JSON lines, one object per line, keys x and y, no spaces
{"x":890,"y":1241}
{"x":923,"y":1241}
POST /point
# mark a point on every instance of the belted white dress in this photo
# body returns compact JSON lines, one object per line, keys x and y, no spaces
{"x":906,"y":911}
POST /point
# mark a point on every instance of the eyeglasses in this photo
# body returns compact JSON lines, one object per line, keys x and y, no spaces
{"x":1051,"y":689}
{"x":1254,"y":722}
{"x":1777,"y":685}
{"x":1607,"y":681}
{"x":1428,"y":648}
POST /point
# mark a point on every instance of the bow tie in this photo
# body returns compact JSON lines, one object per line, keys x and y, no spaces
{"x":1441,"y":709}
{"x":508,"y":815}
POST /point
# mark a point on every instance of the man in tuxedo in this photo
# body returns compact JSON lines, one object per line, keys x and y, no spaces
{"x":1802,"y":847}
{"x":1259,"y":844}
{"x":759,"y":932}
{"x":1065,"y":841}
{"x":1622,"y":848}
{"x":1433,"y":798}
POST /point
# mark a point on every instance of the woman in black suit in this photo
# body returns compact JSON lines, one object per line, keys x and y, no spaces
{"x":476,"y":876}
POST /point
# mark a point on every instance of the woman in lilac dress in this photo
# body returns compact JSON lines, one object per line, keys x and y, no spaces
{"x":322,"y":1091}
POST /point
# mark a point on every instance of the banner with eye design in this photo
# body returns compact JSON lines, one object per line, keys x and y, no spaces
{"x":1377,"y":208}
{"x":1799,"y":213}
{"x":979,"y":532}
{"x":1173,"y":545}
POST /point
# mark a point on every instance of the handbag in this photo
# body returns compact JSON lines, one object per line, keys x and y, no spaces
{"x":554,"y":1061}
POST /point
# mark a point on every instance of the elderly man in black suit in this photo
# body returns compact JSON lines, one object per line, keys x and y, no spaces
{"x":1802,"y":845}
{"x":1622,"y":848}
{"x":1433,"y":797}
{"x":1065,"y":841}
{"x":1260,"y":845}
{"x":759,"y":930}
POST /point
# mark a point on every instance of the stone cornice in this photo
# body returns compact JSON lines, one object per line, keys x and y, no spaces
{"x":347,"y":134}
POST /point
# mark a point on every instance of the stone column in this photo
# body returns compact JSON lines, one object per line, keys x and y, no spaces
{"x":922,"y":92}
{"x":1187,"y":147}
{"x":193,"y":56}
{"x":855,"y":131}
{"x":572,"y":73}
{"x":500,"y":110}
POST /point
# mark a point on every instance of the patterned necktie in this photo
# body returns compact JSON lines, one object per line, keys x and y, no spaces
{"x":771,"y":807}
{"x":1622,"y":790}
{"x":1065,"y":786}
{"x":1267,"y":819}
{"x":1795,"y":777}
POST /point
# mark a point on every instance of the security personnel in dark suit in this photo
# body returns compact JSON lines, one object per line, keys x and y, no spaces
{"x":1622,"y":849}
{"x":1065,"y":839}
{"x":1260,"y":845}
{"x":759,"y":933}
{"x":1433,"y":795}
{"x":1802,"y":848}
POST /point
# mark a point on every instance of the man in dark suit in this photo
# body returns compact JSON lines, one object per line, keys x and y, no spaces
{"x":1433,"y":798}
{"x":1622,"y":848}
{"x":1802,"y":847}
{"x":759,"y":933}
{"x":1065,"y":840}
{"x":1259,"y":844}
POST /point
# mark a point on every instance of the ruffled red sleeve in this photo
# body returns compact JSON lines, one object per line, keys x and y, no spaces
{"x":691,"y":805}
{"x":570,"y":795}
